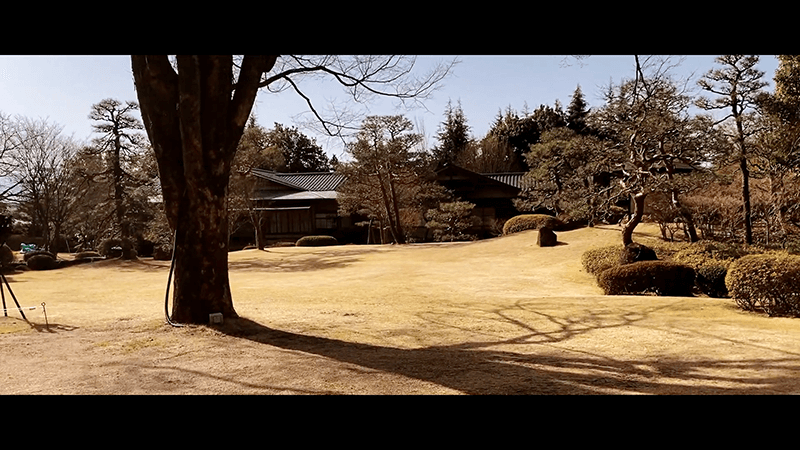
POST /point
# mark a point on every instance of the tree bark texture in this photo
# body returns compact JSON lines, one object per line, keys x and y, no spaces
{"x":636,"y":217}
{"x":194,"y":124}
{"x":747,"y":210}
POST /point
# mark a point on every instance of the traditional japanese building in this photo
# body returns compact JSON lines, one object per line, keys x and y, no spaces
{"x":294,"y":205}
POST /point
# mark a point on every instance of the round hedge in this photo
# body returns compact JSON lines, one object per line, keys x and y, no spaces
{"x":6,"y":255}
{"x":316,"y":241}
{"x":531,"y":222}
{"x":647,"y":277}
{"x":768,"y":282}
{"x":42,"y":262}
{"x":27,"y":256}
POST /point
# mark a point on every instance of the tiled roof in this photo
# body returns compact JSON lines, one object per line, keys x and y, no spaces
{"x":509,"y":178}
{"x":305,"y":195}
{"x":330,"y":181}
{"x":310,"y":181}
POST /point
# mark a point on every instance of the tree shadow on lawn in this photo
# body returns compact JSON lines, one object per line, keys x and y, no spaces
{"x":9,"y":323}
{"x":472,"y":369}
{"x":300,"y":262}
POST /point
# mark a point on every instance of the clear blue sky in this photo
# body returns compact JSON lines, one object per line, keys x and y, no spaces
{"x":62,"y":89}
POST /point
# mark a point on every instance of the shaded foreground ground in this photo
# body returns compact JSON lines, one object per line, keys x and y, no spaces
{"x":501,"y":316}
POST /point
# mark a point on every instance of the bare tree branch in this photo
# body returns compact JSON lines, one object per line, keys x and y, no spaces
{"x":362,"y":77}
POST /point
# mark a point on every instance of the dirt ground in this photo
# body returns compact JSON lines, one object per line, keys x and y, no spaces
{"x":500,"y":316}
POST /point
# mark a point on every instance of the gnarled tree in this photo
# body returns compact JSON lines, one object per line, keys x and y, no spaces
{"x":647,"y":122}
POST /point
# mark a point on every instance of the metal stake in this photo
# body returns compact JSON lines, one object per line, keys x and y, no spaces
{"x":47,"y":324}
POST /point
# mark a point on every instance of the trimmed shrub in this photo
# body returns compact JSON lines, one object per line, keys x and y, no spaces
{"x":710,"y":279}
{"x":316,"y":241}
{"x":648,"y":277}
{"x":27,"y":256}
{"x":42,"y":262}
{"x":531,"y":222}
{"x":6,"y":255}
{"x":88,"y":255}
{"x":596,"y":260}
{"x":768,"y":282}
{"x":116,"y":248}
{"x":711,"y":261}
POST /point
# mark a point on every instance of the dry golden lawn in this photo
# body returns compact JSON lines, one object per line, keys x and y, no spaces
{"x":499,"y":316}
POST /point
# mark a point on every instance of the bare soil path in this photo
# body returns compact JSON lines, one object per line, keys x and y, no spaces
{"x":501,"y":316}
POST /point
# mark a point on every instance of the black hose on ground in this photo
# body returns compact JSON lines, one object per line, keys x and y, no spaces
{"x":169,"y":282}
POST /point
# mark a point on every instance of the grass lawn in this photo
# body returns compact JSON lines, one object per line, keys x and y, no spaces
{"x":499,"y":316}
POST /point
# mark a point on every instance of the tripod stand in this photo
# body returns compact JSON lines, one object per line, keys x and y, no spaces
{"x":3,"y":281}
{"x":5,"y":232}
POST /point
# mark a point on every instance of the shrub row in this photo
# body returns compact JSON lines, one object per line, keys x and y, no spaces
{"x":760,"y":281}
{"x":635,"y":269}
{"x":767,"y":283}
{"x":316,"y":241}
{"x":531,"y":222}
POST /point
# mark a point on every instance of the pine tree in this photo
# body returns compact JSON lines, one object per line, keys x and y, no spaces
{"x":738,"y":86}
{"x":300,"y":153}
{"x":453,"y":135}
{"x":577,"y":112}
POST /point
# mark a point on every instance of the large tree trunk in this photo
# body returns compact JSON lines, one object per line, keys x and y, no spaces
{"x":201,"y":261}
{"x":194,"y":125}
{"x":400,"y":233}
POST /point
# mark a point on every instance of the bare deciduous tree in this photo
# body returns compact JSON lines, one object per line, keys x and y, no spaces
{"x":42,"y":160}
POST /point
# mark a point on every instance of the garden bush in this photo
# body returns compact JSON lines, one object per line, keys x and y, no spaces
{"x":768,"y":282}
{"x":710,"y":279}
{"x":316,"y":241}
{"x":531,"y":222}
{"x":27,"y":256}
{"x":42,"y":262}
{"x":710,"y":261}
{"x":115,"y":248}
{"x":87,"y":255}
{"x":596,"y":260}
{"x":648,"y":277}
{"x":6,"y":255}
{"x":162,"y":252}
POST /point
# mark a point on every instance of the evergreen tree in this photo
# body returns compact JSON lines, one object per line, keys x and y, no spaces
{"x":453,"y":135}
{"x":548,"y":118}
{"x":123,"y":145}
{"x":577,"y":112}
{"x":516,"y":132}
{"x":737,"y":85}
{"x":300,"y":153}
